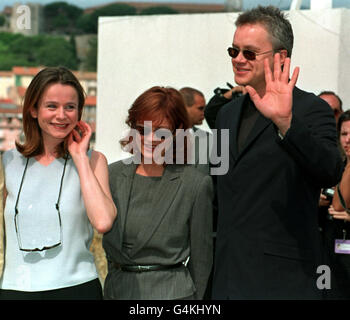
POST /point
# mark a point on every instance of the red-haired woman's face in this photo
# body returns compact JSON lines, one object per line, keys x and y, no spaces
{"x":155,"y":137}
{"x":57,"y":112}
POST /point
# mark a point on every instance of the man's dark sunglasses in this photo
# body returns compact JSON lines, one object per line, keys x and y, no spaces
{"x":248,"y":54}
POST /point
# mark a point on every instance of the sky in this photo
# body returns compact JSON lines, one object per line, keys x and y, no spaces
{"x":283,"y":4}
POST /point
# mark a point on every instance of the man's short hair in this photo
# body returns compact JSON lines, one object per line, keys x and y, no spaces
{"x":274,"y":20}
{"x":331,"y":93}
{"x":188,"y":94}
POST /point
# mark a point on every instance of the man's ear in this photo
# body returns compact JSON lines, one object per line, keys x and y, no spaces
{"x":283,"y":55}
{"x":34,"y":112}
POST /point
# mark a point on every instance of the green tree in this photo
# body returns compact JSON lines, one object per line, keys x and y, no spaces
{"x":61,"y":18}
{"x":89,"y":22}
{"x":158,"y":10}
{"x":7,"y":37}
{"x":8,"y":58}
{"x":90,"y":64}
{"x":57,"y":51}
{"x":85,"y":24}
{"x":7,"y":61}
{"x":116,"y":9}
{"x":2,"y":20}
{"x":26,"y":47}
{"x":17,"y":49}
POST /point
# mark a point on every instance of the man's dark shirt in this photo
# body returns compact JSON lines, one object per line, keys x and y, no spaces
{"x":247,"y":121}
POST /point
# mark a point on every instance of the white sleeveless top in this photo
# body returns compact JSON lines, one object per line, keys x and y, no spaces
{"x":68,"y":264}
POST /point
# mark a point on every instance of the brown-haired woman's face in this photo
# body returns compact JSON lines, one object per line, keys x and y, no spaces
{"x":345,"y":137}
{"x":57,"y":111}
{"x":152,"y":134}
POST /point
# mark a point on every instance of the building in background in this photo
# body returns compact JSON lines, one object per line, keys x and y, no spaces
{"x":6,"y":13}
{"x":10,"y":123}
{"x":234,"y":5}
{"x":13,"y":85}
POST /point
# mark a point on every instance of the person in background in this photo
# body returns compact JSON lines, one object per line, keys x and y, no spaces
{"x":326,"y":196}
{"x":337,"y":228}
{"x":56,"y":192}
{"x":195,"y":104}
{"x":160,"y":246}
{"x":220,"y":98}
{"x":334,"y":102}
{"x":283,"y":149}
{"x":202,"y":140}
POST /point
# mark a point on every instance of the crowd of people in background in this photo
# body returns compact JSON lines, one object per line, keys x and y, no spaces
{"x":172,"y":229}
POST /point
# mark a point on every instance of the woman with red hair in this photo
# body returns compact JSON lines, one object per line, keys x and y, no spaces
{"x":160,"y":246}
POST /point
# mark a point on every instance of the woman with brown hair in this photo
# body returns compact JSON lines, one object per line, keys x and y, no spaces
{"x":336,"y":227}
{"x":160,"y":246}
{"x":56,"y":192}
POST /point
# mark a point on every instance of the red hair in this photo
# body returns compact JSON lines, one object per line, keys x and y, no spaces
{"x":156,"y":104}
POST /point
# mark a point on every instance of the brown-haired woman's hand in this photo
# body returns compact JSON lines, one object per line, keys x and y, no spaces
{"x":79,"y":138}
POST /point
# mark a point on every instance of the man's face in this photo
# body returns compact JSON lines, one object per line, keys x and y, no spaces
{"x":333,"y":101}
{"x":252,"y":37}
{"x":196,"y":111}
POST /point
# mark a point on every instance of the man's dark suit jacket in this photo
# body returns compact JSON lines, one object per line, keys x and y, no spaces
{"x":268,"y":244}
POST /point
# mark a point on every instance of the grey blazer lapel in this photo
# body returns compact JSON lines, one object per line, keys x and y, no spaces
{"x":166,"y":190}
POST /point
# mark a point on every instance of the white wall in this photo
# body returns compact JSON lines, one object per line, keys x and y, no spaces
{"x":135,"y":53}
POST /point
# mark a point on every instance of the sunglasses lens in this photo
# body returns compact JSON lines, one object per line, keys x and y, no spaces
{"x":249,"y":55}
{"x":233,"y":52}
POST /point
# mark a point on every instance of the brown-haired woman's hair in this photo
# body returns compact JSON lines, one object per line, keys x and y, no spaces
{"x":345,"y":116}
{"x":33,"y":144}
{"x":156,"y":104}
